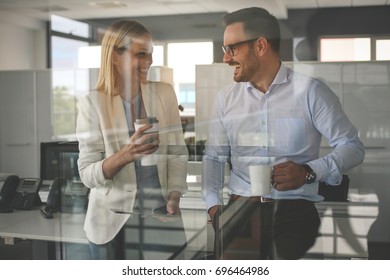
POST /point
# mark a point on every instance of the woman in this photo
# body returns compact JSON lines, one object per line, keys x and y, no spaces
{"x":111,"y":149}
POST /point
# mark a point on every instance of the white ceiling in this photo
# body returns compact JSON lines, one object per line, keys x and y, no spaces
{"x":87,"y":9}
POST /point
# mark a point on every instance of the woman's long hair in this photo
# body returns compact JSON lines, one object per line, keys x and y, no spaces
{"x":117,"y":38}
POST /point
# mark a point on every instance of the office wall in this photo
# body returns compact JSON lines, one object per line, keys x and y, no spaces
{"x":23,"y":44}
{"x":25,"y":120}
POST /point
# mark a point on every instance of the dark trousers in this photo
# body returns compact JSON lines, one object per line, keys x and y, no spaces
{"x":281,"y":229}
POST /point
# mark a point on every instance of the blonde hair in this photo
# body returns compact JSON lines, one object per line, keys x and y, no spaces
{"x":117,"y":38}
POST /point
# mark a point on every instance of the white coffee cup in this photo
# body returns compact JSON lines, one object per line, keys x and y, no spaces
{"x":151,"y":159}
{"x":260,"y":176}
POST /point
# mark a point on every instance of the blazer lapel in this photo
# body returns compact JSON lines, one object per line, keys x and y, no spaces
{"x":151,"y":99}
{"x":117,"y":117}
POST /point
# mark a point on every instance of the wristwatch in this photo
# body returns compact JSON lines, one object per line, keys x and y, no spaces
{"x":310,"y":174}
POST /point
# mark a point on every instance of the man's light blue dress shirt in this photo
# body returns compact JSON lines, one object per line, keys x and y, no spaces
{"x":287,"y":122}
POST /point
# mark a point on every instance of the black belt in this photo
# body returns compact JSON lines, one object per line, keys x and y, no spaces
{"x":261,"y":199}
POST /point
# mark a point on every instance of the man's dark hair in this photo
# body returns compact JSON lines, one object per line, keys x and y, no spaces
{"x":257,"y":22}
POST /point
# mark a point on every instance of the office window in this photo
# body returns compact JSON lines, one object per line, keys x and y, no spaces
{"x":68,"y":82}
{"x":187,"y":95}
{"x":69,"y":26}
{"x":383,"y":49}
{"x":345,"y":49}
{"x":70,"y":73}
{"x":89,"y":56}
{"x":183,"y":57}
{"x":158,"y":55}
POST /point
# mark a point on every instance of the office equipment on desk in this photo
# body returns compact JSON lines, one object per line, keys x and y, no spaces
{"x":53,"y":197}
{"x":74,"y":198}
{"x":27,"y":196}
{"x":59,"y":160}
{"x":8,"y":183}
{"x":66,"y":196}
{"x":19,"y":193}
{"x":49,"y":191}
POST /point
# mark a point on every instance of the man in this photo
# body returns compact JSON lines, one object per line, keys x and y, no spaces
{"x":274,"y":115}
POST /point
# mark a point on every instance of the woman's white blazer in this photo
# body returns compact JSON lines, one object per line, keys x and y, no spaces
{"x":101,"y":131}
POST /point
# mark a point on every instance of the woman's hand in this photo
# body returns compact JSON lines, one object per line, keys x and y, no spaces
{"x":140,"y":144}
{"x":173,"y":207}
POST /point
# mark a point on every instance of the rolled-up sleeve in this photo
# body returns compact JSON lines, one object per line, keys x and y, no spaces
{"x":330,"y":119}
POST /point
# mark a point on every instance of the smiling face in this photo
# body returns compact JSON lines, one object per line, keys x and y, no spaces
{"x":133,"y":63}
{"x":244,"y":60}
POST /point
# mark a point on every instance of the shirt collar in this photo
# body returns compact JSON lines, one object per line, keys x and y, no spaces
{"x":280,"y":78}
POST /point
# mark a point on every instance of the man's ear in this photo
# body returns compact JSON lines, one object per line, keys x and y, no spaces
{"x":262,"y":46}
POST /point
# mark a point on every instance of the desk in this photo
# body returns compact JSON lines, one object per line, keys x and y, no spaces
{"x":48,"y":236}
{"x":31,"y":225}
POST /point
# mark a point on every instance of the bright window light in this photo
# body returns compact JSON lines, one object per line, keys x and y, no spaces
{"x":345,"y":49}
{"x":69,"y":26}
{"x":89,"y":57}
{"x":383,"y":49}
{"x":183,"y":57}
{"x":158,"y":55}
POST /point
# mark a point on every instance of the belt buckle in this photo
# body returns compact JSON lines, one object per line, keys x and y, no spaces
{"x":265,"y":200}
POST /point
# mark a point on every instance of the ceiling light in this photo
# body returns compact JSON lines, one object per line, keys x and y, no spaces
{"x":172,"y":1}
{"x":108,"y":4}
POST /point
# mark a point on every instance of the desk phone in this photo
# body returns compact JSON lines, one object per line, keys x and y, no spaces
{"x":65,"y":195}
{"x":8,"y":183}
{"x":74,"y":198}
{"x":26,"y":195}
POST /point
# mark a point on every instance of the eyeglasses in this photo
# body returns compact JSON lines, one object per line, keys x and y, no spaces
{"x":229,"y":49}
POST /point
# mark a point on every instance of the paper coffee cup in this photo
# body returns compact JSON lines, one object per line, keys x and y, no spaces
{"x":260,"y":176}
{"x":151,"y":159}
